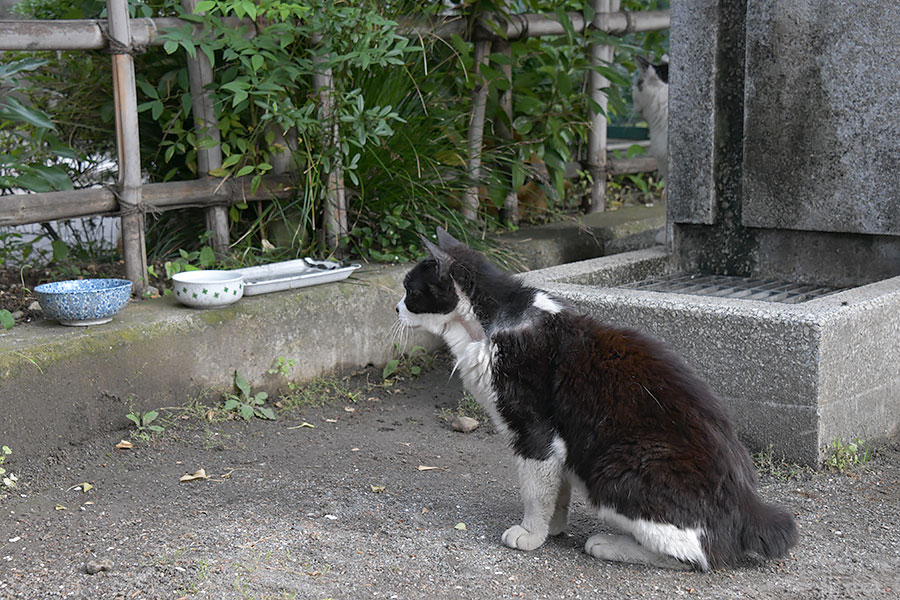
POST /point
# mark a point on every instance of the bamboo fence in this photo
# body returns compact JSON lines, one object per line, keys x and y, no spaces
{"x":131,"y":199}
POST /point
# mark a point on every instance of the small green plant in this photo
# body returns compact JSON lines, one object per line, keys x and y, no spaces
{"x":321,"y":391}
{"x":410,"y":364}
{"x":466,"y":407}
{"x":6,"y":319}
{"x":195,"y":260}
{"x":767,"y":463}
{"x":245,"y":403}
{"x":9,"y":480}
{"x":144,"y":423}
{"x":282,"y":366}
{"x":841,"y":457}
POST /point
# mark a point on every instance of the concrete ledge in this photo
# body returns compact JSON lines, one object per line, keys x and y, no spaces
{"x":59,"y":385}
{"x":587,"y":236}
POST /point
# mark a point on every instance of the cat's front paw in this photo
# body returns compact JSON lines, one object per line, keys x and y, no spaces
{"x":521,"y":539}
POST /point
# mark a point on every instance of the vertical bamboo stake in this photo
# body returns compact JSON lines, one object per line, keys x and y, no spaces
{"x":511,"y":202}
{"x":335,"y":200}
{"x":129,"y":180}
{"x":476,"y":132}
{"x":206,"y":124}
{"x":600,"y":55}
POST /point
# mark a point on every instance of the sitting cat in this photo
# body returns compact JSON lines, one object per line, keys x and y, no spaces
{"x":651,"y":100}
{"x":608,"y":411}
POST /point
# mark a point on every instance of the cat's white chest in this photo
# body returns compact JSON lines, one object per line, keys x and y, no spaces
{"x":475,"y":365}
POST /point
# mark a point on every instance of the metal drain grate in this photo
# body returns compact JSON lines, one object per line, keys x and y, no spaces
{"x":725,"y":286}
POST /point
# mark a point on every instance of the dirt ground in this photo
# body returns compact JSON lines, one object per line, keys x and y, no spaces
{"x":344,"y":509}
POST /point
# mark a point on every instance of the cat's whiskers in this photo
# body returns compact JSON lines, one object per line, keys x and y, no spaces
{"x":399,"y":335}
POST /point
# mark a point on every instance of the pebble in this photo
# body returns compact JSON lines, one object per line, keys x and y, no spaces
{"x":464,"y":424}
{"x":95,"y":566}
{"x":17,"y":315}
{"x":35,"y":306}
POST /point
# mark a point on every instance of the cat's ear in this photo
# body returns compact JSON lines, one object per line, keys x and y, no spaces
{"x":643,"y":62}
{"x":445,"y":240}
{"x":443,"y":259}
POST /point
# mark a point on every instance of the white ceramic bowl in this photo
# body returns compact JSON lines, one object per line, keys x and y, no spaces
{"x":208,"y":289}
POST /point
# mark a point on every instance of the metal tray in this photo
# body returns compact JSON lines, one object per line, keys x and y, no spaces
{"x":292,"y":274}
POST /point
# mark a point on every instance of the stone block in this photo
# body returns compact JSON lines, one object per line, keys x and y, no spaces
{"x":692,"y":57}
{"x":795,"y":376}
{"x":820,"y":152}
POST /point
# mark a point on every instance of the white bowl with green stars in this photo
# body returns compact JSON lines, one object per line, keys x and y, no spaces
{"x":208,"y":289}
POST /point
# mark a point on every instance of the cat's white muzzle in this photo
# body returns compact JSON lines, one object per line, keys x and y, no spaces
{"x":404,"y":316}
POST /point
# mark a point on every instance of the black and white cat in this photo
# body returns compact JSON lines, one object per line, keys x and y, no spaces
{"x":651,"y":100}
{"x":603,"y":410}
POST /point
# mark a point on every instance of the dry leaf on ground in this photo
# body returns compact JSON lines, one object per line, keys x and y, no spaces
{"x":198,"y":474}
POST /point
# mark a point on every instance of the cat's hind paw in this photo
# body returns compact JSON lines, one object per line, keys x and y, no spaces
{"x":521,"y":539}
{"x":622,"y":548}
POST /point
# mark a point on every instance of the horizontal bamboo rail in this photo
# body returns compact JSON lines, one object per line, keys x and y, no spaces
{"x":83,"y":34}
{"x":618,"y":23}
{"x":22,"y":209}
{"x":91,"y":34}
{"x":627,"y":166}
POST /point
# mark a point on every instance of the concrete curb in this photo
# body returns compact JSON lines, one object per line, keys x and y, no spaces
{"x":61,"y":385}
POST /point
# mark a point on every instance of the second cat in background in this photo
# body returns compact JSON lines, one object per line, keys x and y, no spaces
{"x":651,"y":101}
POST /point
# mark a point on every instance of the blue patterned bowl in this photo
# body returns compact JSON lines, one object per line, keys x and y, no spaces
{"x":83,"y":301}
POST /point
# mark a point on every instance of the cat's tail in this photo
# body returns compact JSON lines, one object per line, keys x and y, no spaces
{"x":769,"y":530}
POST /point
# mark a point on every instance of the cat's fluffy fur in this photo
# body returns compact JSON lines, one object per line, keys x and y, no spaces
{"x":651,"y":100}
{"x":608,"y":411}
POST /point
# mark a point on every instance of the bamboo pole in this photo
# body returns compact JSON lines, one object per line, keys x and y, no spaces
{"x":511,"y":201}
{"x":514,"y":27}
{"x":206,"y":125}
{"x":22,"y":209}
{"x":91,"y":34}
{"x":600,"y":55}
{"x":129,"y":180}
{"x":476,"y":131}
{"x":335,"y":200}
{"x":635,"y":164}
